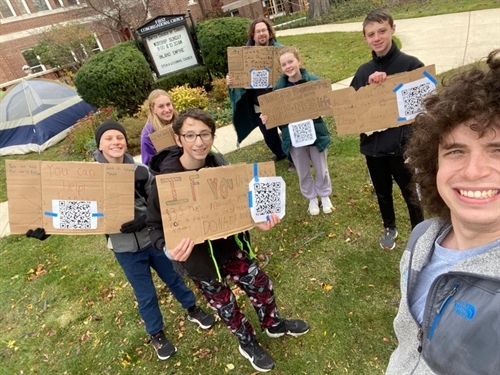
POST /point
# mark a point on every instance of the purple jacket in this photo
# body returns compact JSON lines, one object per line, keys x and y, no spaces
{"x":147,"y":148}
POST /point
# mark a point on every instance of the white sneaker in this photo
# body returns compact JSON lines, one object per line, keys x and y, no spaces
{"x":313,"y":207}
{"x":327,"y":205}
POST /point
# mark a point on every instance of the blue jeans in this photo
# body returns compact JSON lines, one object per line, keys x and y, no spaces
{"x":137,"y":267}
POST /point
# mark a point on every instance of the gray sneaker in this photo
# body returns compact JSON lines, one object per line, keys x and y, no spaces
{"x":387,"y":241}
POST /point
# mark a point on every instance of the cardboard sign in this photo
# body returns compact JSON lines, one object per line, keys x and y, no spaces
{"x":305,"y":101}
{"x":69,"y":197}
{"x":162,"y":138}
{"x":210,"y":203}
{"x":254,"y":67}
{"x":393,"y":103}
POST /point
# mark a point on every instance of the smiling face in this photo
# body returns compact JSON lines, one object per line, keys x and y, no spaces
{"x":113,"y":146}
{"x":290,"y":65}
{"x":468,"y":179}
{"x":261,"y":34}
{"x":195,"y":152}
{"x":164,"y":109}
{"x":378,"y":36}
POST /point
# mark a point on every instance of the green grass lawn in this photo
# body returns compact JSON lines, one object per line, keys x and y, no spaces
{"x":66,"y":307}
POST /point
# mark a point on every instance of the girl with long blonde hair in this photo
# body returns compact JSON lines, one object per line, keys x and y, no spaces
{"x":161,"y":113}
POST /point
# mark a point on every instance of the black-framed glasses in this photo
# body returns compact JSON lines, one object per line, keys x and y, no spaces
{"x":191,"y":137}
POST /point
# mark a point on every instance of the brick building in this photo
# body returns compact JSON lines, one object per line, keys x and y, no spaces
{"x":22,"y":21}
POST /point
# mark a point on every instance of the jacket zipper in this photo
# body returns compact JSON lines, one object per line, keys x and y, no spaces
{"x":438,"y":316}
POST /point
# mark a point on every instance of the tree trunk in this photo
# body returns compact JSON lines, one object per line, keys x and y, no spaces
{"x":318,"y":7}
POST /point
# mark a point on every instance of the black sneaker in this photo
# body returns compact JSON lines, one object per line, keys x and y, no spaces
{"x":387,"y":241}
{"x":204,"y":320}
{"x":164,"y":349}
{"x":293,"y":327}
{"x":258,"y":357}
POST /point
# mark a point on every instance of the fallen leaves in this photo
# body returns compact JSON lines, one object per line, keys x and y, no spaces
{"x":38,"y":271}
{"x":326,"y":287}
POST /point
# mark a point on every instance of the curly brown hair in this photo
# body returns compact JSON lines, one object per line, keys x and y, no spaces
{"x":471,"y":98}
{"x":251,"y":29}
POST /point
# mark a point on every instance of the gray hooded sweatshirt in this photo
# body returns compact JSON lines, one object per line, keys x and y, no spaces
{"x":132,"y":242}
{"x":453,"y":339}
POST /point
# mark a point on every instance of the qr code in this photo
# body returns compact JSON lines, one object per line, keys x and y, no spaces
{"x":302,"y":131}
{"x":259,"y":79}
{"x":267,"y":198}
{"x":75,"y":214}
{"x":412,"y":98}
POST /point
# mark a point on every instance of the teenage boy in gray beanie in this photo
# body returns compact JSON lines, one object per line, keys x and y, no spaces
{"x":132,"y":247}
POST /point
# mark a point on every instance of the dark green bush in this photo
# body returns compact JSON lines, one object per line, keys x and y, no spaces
{"x":133,"y":126}
{"x":80,"y":140}
{"x":119,"y":76}
{"x":215,"y":35}
{"x":196,"y":76}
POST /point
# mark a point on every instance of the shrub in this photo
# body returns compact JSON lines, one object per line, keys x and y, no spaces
{"x":196,"y":76}
{"x":189,"y":97}
{"x":219,"y":91}
{"x":119,"y":76}
{"x":133,"y":126}
{"x":221,"y":112}
{"x":80,"y":140}
{"x":215,"y":35}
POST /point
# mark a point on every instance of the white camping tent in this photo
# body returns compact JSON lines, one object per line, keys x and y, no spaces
{"x":36,"y":114}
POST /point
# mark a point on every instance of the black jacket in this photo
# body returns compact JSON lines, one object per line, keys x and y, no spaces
{"x":200,"y":265}
{"x":389,"y":142}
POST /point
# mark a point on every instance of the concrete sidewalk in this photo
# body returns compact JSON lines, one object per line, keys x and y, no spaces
{"x":448,"y":41}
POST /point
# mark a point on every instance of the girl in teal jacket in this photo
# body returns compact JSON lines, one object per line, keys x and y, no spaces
{"x":305,"y":150}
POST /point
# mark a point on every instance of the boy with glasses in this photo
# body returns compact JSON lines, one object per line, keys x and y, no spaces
{"x":212,"y":264}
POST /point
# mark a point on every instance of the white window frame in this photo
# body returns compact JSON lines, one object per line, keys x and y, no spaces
{"x":26,"y":7}
{"x":99,"y":45}
{"x":272,"y":4}
{"x":14,"y":14}
{"x":38,"y":59}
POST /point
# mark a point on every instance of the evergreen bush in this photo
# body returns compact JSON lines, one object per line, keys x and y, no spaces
{"x":196,"y":76}
{"x":118,"y":76}
{"x":215,"y":35}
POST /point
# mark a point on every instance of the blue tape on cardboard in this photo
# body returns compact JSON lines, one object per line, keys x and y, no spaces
{"x":256,"y":172}
{"x":430,"y":77}
{"x":397,"y":87}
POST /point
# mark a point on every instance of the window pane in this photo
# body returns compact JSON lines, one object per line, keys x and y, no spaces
{"x":72,"y":2}
{"x":20,"y":6}
{"x":40,"y":5}
{"x":32,"y":61}
{"x":5,"y":10}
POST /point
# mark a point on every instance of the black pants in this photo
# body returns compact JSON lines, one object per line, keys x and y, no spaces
{"x":382,"y":170}
{"x":272,"y":138}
